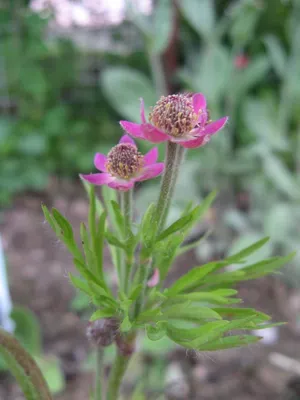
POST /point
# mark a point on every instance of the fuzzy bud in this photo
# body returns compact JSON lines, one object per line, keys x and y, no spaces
{"x":102,"y":332}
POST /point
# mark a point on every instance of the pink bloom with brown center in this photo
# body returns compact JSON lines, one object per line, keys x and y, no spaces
{"x":124,"y":165}
{"x":179,"y":118}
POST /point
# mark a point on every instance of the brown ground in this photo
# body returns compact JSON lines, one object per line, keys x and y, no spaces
{"x":37,"y":267}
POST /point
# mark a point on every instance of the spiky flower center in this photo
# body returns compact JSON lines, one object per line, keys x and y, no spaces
{"x":124,"y":161}
{"x":174,"y":114}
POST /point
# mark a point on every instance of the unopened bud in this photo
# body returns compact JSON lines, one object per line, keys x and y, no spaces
{"x":102,"y":332}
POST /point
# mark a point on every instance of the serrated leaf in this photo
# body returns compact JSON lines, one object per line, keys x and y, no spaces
{"x":105,"y":313}
{"x":85,"y":241}
{"x":99,"y":245}
{"x":119,"y":218}
{"x":175,"y":227}
{"x":157,"y":331}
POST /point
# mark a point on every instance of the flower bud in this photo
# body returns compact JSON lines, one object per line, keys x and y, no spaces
{"x":102,"y":332}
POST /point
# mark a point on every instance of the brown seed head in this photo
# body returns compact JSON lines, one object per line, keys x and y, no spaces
{"x":174,"y":114}
{"x":124,"y":161}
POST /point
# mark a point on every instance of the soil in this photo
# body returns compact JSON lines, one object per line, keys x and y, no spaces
{"x":38,"y":267}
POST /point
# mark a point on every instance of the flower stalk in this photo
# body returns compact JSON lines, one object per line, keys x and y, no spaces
{"x":99,"y":387}
{"x":116,"y":375}
{"x":126,"y":207}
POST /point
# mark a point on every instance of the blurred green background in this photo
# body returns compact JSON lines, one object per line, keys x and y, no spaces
{"x":65,"y":81}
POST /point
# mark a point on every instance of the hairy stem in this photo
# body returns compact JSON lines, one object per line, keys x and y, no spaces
{"x":127,"y":260}
{"x":99,"y":375}
{"x":174,"y":156}
{"x":116,"y":375}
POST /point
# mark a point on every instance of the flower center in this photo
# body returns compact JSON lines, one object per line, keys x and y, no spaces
{"x":124,"y":161}
{"x":174,"y":114}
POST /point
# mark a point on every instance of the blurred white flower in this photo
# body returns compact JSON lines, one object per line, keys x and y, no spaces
{"x":88,"y":13}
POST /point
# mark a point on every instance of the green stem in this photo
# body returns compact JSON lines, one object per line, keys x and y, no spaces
{"x":127,"y":261}
{"x":174,"y":156}
{"x":143,"y":273}
{"x":99,"y":376}
{"x":116,"y":376}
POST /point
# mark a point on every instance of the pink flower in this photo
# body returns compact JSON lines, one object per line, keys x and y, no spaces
{"x":125,"y":165}
{"x":179,"y":118}
{"x":241,"y":61}
{"x":154,"y":280}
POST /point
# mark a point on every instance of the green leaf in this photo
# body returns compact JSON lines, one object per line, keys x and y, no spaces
{"x":52,"y":372}
{"x":135,"y":292}
{"x":202,"y":333}
{"x":80,"y":284}
{"x":157,"y":331}
{"x":190,"y":313}
{"x":175,"y":227}
{"x":211,"y":297}
{"x":89,"y":276}
{"x":276,"y":54}
{"x":105,"y":313}
{"x":149,"y":226}
{"x":49,"y":218}
{"x":85,"y":241}
{"x":63,"y":223}
{"x":24,"y":368}
{"x":123,"y":87}
{"x":163,"y":24}
{"x":201,"y":15}
{"x":119,"y":218}
{"x":125,"y":325}
{"x":229,"y":342}
{"x":192,"y":278}
{"x":27,"y":330}
{"x":114,"y":241}
{"x":242,"y":254}
{"x":99,"y":245}
{"x":234,"y":313}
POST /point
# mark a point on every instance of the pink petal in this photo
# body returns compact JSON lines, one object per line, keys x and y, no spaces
{"x":154,"y":280}
{"x":142,"y":111}
{"x":127,"y":139}
{"x":199,"y":102}
{"x":151,"y":156}
{"x":215,"y":126}
{"x":153,"y":134}
{"x":132,"y":128}
{"x":99,"y":162}
{"x":199,"y":141}
{"x":203,"y":118}
{"x":150,"y":172}
{"x":123,"y":186}
{"x":98,"y":179}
